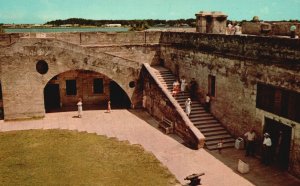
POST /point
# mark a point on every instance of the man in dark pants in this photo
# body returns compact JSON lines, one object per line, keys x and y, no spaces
{"x":250,"y":145}
{"x":267,"y":144}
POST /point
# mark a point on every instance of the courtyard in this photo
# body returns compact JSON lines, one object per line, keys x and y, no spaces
{"x":138,"y":128}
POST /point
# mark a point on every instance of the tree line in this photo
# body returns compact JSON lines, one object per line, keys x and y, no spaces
{"x":131,"y":23}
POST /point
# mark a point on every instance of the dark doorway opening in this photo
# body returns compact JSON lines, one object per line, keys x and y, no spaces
{"x":281,"y":141}
{"x":118,"y":96}
{"x":51,"y":97}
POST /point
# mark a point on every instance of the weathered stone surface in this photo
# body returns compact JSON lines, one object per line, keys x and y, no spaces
{"x":20,"y":80}
{"x":237,"y":62}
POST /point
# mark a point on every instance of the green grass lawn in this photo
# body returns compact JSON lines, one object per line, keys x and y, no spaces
{"x":60,"y":157}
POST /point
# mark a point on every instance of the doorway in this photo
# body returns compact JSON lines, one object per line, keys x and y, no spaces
{"x":118,"y":97}
{"x":281,"y":141}
{"x":51,"y":97}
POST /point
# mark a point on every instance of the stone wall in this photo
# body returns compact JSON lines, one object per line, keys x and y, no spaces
{"x":90,"y":38}
{"x":84,"y":86}
{"x":22,"y":56}
{"x":238,"y":63}
{"x":7,"y":39}
{"x":261,"y":49}
{"x":277,"y":28}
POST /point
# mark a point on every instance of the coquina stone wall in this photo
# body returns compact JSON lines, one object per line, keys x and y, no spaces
{"x":90,"y":38}
{"x":238,"y":63}
{"x":20,"y":79}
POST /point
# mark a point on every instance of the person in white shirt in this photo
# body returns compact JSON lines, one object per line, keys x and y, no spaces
{"x":207,"y":103}
{"x":183,"y":84}
{"x":250,"y":145}
{"x":79,"y":104}
{"x":267,"y":144}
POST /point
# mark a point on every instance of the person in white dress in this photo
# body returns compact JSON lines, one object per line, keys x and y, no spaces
{"x":183,"y":84}
{"x":188,"y":103}
{"x":79,"y":105}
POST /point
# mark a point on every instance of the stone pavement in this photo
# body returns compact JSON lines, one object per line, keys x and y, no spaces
{"x":134,"y":127}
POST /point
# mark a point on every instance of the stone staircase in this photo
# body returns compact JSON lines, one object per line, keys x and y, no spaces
{"x":208,"y":125}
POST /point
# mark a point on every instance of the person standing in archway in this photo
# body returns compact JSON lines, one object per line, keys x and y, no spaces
{"x":108,"y":106}
{"x":207,"y":103}
{"x":267,"y":144}
{"x":193,"y":89}
{"x":79,"y":105}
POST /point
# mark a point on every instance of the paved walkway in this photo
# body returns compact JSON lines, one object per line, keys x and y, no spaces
{"x":134,"y":127}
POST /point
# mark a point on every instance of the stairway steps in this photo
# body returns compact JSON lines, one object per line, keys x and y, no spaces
{"x":196,"y":115}
{"x":214,"y":133}
{"x":210,"y":125}
{"x":215,"y":142}
{"x":201,"y":114}
{"x":211,"y":128}
{"x":204,"y":118}
{"x":217,"y":137}
{"x":225,"y":145}
{"x":203,"y":122}
{"x":217,"y":128}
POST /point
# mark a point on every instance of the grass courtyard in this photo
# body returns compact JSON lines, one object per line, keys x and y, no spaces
{"x":60,"y":157}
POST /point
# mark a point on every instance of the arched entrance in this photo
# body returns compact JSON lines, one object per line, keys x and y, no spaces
{"x":63,"y":91}
{"x":281,"y":141}
{"x":118,"y":97}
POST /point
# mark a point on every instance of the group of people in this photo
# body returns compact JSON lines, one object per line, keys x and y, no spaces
{"x":234,"y":29}
{"x":266,"y":149}
{"x":179,"y":86}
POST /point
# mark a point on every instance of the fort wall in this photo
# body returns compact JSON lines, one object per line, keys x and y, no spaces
{"x":238,"y":63}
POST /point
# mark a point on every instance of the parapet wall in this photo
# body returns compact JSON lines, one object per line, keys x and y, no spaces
{"x":261,"y":49}
{"x":90,"y":38}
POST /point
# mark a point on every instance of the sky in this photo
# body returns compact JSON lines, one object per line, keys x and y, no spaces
{"x":41,"y":11}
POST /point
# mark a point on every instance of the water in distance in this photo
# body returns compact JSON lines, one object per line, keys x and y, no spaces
{"x":69,"y":29}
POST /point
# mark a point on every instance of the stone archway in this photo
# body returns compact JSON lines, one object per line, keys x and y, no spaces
{"x":27,"y":73}
{"x":62,"y":92}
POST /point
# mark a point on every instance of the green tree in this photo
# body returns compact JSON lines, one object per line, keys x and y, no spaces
{"x":1,"y":29}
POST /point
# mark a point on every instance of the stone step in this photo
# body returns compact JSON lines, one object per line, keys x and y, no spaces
{"x":212,"y":121}
{"x":215,"y":142}
{"x":194,"y":105}
{"x":214,"y":133}
{"x":198,"y":118}
{"x":203,"y":118}
{"x":196,"y":115}
{"x":225,"y":145}
{"x":165,"y":74}
{"x":168,"y":80}
{"x":212,"y":129}
{"x":217,"y":137}
{"x":204,"y":126}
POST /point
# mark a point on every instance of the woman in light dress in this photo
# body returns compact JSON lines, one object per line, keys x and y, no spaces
{"x":79,"y":105}
{"x":183,"y":84}
{"x":188,"y":103}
